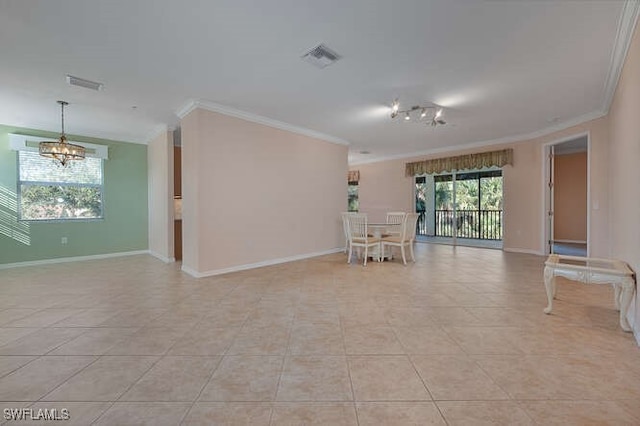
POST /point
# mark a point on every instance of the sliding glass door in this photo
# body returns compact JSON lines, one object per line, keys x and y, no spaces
{"x":465,"y":205}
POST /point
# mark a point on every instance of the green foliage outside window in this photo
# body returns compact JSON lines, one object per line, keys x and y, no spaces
{"x":51,"y":192}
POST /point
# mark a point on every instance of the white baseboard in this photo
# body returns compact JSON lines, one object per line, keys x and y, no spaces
{"x":71,"y":259}
{"x":161,"y":257}
{"x":522,"y":250}
{"x":270,"y":262}
{"x":570,"y":241}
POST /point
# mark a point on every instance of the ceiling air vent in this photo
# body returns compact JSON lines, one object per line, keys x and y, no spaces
{"x":321,"y":56}
{"x":81,"y":82}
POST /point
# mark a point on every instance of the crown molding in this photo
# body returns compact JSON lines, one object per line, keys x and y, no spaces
{"x":626,"y":25}
{"x":500,"y":141}
{"x":185,"y":109}
{"x":254,"y":118}
{"x":161,"y":128}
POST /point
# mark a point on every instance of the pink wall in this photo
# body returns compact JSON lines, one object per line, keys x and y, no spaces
{"x":254,"y":194}
{"x":570,"y":197}
{"x":383,"y":186}
{"x":624,"y":116}
{"x":160,"y":181}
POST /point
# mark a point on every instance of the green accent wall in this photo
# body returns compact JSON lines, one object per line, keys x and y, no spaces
{"x":124,"y":227}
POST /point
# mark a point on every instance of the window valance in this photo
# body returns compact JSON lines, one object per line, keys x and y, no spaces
{"x":353,"y":176}
{"x":460,"y":162}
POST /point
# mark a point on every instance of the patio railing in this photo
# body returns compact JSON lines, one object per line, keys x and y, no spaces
{"x":477,"y":224}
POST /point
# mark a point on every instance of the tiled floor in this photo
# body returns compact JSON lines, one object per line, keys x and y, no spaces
{"x":457,"y":338}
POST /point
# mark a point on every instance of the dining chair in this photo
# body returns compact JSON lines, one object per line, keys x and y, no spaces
{"x":394,"y":220}
{"x":406,"y":238}
{"x":345,"y":228}
{"x":359,"y":237}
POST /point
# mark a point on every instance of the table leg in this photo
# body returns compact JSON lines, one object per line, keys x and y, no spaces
{"x":549,"y":284}
{"x":626,"y":292}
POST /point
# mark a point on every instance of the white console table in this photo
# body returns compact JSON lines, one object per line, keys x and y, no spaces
{"x":592,"y":271}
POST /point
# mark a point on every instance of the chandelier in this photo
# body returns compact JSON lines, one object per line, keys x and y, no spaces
{"x":431,"y":114}
{"x":61,"y":150}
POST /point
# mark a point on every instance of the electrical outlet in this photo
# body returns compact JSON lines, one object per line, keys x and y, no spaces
{"x":64,"y":240}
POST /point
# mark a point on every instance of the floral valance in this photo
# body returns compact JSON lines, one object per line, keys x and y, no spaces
{"x":460,"y":162}
{"x":353,"y":176}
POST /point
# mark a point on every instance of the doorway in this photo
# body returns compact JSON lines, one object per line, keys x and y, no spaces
{"x":566,"y":199}
{"x":460,"y":208}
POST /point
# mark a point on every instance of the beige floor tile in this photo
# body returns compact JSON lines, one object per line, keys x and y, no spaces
{"x":399,"y":413}
{"x":95,"y":341}
{"x":14,"y":314}
{"x":482,"y":340}
{"x":315,"y":378}
{"x":8,"y":335}
{"x":44,"y":318}
{"x":144,"y":414}
{"x":451,"y":377}
{"x":228,"y":414}
{"x":578,"y":413}
{"x":104,"y":380}
{"x":244,"y":378}
{"x":409,"y":316}
{"x":34,"y":380}
{"x":632,"y":408}
{"x":133,"y":317}
{"x":561,"y":377}
{"x":260,"y":341}
{"x":147,"y":341}
{"x":371,"y":340}
{"x":449,"y":310}
{"x":173,"y":379}
{"x":40,"y":342}
{"x":452,"y":316}
{"x":427,"y":341}
{"x":205,"y":340}
{"x":386,"y":378}
{"x":293,"y":414}
{"x":79,"y":413}
{"x":224,"y":315}
{"x":87,"y":318}
{"x":500,"y":317}
{"x":316,"y":339}
{"x":491,"y":413}
{"x":10,"y":363}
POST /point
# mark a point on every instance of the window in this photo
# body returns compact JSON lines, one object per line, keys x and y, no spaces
{"x":354,"y":203}
{"x":48,"y":191}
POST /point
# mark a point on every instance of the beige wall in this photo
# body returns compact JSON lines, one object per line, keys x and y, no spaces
{"x":570,"y":197}
{"x":624,"y":116}
{"x":160,"y":180}
{"x":254,"y":194}
{"x":383,"y":186}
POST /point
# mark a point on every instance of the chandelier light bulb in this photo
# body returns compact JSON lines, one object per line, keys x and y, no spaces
{"x":407,"y":116}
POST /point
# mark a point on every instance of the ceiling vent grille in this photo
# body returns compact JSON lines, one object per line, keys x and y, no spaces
{"x":321,"y":56}
{"x":81,"y":82}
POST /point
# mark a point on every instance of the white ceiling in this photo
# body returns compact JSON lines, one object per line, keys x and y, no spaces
{"x":501,"y":68}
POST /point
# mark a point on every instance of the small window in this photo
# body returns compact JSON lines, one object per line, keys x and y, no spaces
{"x":49,"y":191}
{"x":354,"y":204}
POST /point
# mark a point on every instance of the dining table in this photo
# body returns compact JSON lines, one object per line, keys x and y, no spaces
{"x":380,"y":230}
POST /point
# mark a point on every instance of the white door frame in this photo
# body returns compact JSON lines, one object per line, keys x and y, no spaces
{"x":546,"y":149}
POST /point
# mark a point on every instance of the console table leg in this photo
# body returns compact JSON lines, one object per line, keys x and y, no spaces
{"x":617,"y":292}
{"x":626,"y":292}
{"x":549,"y":284}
